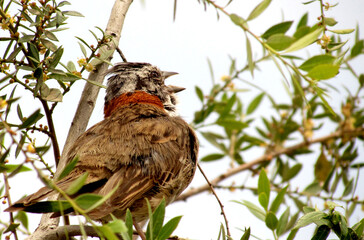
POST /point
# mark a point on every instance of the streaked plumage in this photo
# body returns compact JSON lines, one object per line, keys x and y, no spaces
{"x":140,"y":145}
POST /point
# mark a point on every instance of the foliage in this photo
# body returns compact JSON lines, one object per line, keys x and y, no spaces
{"x":32,"y":63}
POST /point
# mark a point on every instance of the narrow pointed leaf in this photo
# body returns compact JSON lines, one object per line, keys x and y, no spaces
{"x":77,"y":184}
{"x":168,"y":228}
{"x":305,"y":41}
{"x":254,"y":104}
{"x":68,"y":168}
{"x":259,"y":9}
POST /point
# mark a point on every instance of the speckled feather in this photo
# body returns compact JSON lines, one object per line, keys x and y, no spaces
{"x":143,"y":149}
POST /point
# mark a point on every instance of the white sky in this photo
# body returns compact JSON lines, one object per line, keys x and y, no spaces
{"x":150,"y":35}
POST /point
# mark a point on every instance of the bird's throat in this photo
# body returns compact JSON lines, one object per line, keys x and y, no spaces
{"x":138,"y":97}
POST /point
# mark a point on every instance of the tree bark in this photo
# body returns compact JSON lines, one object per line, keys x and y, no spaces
{"x":86,"y":105}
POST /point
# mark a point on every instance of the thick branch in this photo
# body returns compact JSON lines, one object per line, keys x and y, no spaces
{"x":268,"y":157}
{"x":90,"y":92}
{"x":87,"y":103}
{"x":61,"y":233}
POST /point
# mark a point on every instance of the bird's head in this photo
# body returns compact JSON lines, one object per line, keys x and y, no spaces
{"x":129,"y":78}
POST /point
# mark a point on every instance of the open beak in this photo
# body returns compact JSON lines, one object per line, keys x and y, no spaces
{"x":175,"y":89}
{"x":168,"y":74}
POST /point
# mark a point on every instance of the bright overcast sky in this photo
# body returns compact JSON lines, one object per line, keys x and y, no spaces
{"x":150,"y":35}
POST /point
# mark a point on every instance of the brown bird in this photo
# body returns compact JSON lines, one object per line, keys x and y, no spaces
{"x":141,"y":146}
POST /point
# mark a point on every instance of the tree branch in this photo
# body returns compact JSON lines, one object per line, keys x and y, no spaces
{"x":62,"y":233}
{"x":86,"y":104}
{"x":268,"y":157}
{"x":90,"y":91}
{"x":218,"y":200}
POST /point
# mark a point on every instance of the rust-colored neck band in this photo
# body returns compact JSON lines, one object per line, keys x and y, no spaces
{"x":130,"y":98}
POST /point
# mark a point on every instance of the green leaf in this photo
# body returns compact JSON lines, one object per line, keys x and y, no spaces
{"x":68,"y":168}
{"x":60,"y":18}
{"x":246,"y":234}
{"x":83,"y":50}
{"x":13,"y":55}
{"x":309,"y":218}
{"x":19,"y":146}
{"x":357,"y":48}
{"x":292,"y":172}
{"x":129,"y":223}
{"x":305,"y":40}
{"x":324,"y":71}
{"x":264,"y":184}
{"x":107,"y":232}
{"x":12,"y":227}
{"x":117,"y":226}
{"x":271,"y":221}
{"x":293,"y":232}
{"x":85,"y":201}
{"x":303,"y":21}
{"x":322,"y":233}
{"x":72,"y":13}
{"x":232,"y":124}
{"x":55,"y":58}
{"x":49,"y":45}
{"x":249,"y":56}
{"x":254,"y":104}
{"x":238,"y":20}
{"x":26,"y":38}
{"x":312,"y":189}
{"x":10,"y":168}
{"x":359,"y":228}
{"x":77,"y":184}
{"x":229,"y":105}
{"x":63,"y":3}
{"x":314,"y":61}
{"x":254,"y":209}
{"x":199,"y":93}
{"x":259,"y":9}
{"x":283,"y":222}
{"x":263,"y":200}
{"x":348,"y":188}
{"x":169,"y":228}
{"x":158,"y":218}
{"x":343,"y":31}
{"x":278,"y":200}
{"x":53,"y":95}
{"x":330,"y":21}
{"x":212,"y":157}
{"x":71,"y":67}
{"x":31,"y":119}
{"x":322,"y":168}
{"x":278,"y":28}
{"x":33,"y":51}
{"x":50,"y":35}
{"x":96,"y":83}
{"x":66,"y":78}
{"x":23,"y":218}
{"x":280,"y":41}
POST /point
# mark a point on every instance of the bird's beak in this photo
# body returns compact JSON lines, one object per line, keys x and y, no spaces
{"x":168,"y":74}
{"x":175,"y":89}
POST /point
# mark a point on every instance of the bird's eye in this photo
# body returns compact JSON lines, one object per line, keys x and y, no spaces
{"x":155,"y":74}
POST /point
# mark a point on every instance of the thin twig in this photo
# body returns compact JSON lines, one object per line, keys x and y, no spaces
{"x":7,"y":193}
{"x":269,"y":157}
{"x":217,"y":198}
{"x":121,"y":54}
{"x":353,"y":199}
{"x":139,"y":230}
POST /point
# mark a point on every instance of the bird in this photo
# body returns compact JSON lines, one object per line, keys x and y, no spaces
{"x":141,"y":149}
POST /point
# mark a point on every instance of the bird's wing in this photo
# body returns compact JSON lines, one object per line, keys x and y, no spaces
{"x":145,"y":155}
{"x":135,"y":150}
